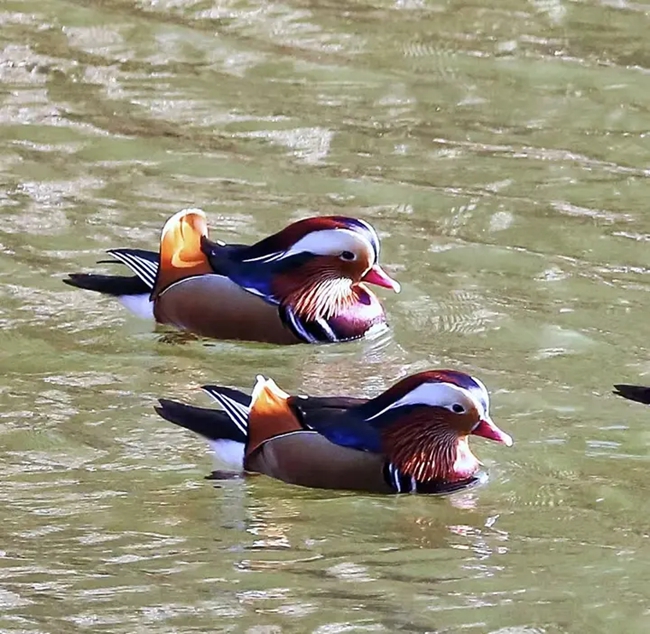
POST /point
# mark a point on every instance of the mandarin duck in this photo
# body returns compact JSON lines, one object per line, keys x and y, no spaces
{"x":411,"y":438}
{"x":306,"y":283}
{"x":638,"y":393}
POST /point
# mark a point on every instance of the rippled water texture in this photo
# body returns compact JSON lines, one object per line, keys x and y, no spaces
{"x":500,"y":148}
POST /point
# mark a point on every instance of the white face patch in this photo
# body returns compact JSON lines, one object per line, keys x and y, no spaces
{"x":485,"y":395}
{"x":437,"y":395}
{"x":372,"y":232}
{"x":332,"y":242}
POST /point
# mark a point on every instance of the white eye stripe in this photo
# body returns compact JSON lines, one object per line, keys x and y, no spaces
{"x":331,"y":242}
{"x":325,"y":242}
{"x":435,"y":395}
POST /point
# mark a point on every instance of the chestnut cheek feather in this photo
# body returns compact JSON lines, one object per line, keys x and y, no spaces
{"x":462,"y":424}
{"x":316,"y":289}
{"x":425,"y":448}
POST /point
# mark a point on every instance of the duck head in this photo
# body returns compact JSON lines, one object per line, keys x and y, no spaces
{"x":316,"y":266}
{"x":425,"y":420}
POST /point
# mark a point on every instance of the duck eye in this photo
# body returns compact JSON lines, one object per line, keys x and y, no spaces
{"x":458,"y":408}
{"x":348,"y":255}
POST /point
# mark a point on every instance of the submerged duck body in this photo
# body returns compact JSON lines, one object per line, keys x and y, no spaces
{"x":306,"y":283}
{"x":411,"y":438}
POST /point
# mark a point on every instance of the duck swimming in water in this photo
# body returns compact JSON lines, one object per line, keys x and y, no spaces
{"x":306,"y":283}
{"x":414,"y":437}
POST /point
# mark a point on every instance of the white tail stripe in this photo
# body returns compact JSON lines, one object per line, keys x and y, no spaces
{"x":233,"y":413}
{"x":145,"y":269}
{"x":238,"y":413}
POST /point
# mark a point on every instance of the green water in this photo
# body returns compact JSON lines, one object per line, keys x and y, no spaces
{"x":500,"y":148}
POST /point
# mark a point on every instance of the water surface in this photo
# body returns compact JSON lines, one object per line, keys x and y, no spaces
{"x":501,"y":150}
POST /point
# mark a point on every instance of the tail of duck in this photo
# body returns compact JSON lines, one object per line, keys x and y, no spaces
{"x":638,"y":393}
{"x":210,"y":423}
{"x":180,"y":257}
{"x":115,"y":285}
{"x":132,"y":291}
{"x":226,"y":431}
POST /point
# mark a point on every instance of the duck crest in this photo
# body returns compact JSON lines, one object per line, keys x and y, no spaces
{"x":411,"y":390}
{"x":280,"y":242}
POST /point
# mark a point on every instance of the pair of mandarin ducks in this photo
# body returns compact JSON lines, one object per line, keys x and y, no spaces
{"x":307,"y":283}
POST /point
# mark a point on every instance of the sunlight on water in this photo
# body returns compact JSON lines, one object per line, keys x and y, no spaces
{"x":501,"y":150}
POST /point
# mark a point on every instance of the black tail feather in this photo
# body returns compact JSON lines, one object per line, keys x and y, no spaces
{"x":638,"y":393}
{"x":115,"y":285}
{"x":209,"y":423}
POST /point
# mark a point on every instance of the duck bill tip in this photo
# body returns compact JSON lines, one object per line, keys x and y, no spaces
{"x":377,"y":276}
{"x":487,"y":429}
